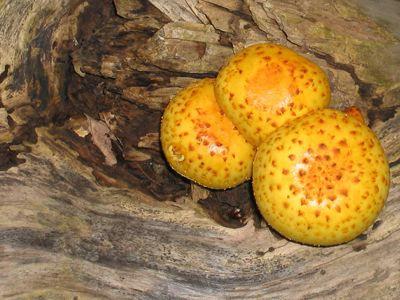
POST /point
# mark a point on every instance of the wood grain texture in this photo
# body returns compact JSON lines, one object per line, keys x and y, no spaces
{"x":73,"y":227}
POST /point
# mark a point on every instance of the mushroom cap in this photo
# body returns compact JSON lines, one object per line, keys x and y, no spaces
{"x":321,"y":179}
{"x":265,"y":85}
{"x":201,"y":143}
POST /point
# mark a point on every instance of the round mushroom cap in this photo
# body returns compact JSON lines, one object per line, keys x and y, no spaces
{"x":201,"y":143}
{"x":265,"y":85}
{"x":321,"y":179}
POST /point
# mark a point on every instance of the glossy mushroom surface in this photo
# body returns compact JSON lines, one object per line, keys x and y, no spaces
{"x":265,"y":85}
{"x":321,"y":179}
{"x":201,"y":143}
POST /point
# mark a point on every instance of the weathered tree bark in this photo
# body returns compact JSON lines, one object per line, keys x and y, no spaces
{"x":90,"y":209}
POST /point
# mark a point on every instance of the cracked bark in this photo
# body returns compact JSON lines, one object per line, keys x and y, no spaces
{"x":72,"y":226}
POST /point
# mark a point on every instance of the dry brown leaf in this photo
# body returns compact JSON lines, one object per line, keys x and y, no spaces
{"x":101,"y":137}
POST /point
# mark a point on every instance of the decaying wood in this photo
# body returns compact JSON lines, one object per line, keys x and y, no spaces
{"x":89,"y":207}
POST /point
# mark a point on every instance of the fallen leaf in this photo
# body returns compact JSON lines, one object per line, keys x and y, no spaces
{"x":101,"y":137}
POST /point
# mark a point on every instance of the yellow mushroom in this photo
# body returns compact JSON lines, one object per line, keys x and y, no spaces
{"x":321,"y":179}
{"x":201,"y":143}
{"x":265,"y":85}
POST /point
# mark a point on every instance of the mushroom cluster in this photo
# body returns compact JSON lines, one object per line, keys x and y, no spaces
{"x":320,"y":176}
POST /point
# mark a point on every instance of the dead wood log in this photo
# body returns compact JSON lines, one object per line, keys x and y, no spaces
{"x":90,"y":209}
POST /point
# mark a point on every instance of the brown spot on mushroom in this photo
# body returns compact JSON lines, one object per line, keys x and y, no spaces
{"x":343,"y":143}
{"x":302,"y":172}
{"x":332,"y":197}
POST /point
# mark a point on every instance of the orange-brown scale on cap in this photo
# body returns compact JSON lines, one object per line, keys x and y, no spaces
{"x":274,"y":85}
{"x":333,"y":187}
{"x":201,"y":143}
